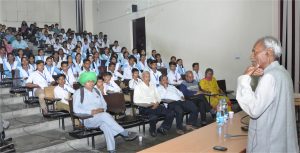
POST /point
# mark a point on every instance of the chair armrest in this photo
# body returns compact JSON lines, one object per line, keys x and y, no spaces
{"x":82,"y":116}
{"x":229,"y":91}
{"x":145,"y":105}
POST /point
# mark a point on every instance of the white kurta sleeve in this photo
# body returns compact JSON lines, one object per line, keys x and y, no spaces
{"x":255,"y":103}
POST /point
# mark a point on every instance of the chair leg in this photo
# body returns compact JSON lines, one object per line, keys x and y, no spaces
{"x":63,"y":123}
{"x":88,"y":141}
{"x":93,"y":142}
{"x":144,"y":129}
{"x":58,"y":122}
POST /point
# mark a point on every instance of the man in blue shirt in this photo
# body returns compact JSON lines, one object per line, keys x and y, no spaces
{"x":19,"y":43}
{"x":191,"y":90}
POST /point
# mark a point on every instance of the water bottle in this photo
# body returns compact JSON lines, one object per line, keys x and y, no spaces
{"x":225,"y":109}
{"x":220,"y":114}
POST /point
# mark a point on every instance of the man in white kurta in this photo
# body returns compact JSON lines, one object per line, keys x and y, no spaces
{"x":271,"y":107}
{"x":94,"y":104}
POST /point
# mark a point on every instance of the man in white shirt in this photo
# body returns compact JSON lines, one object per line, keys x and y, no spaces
{"x":271,"y":106}
{"x":174,"y":77}
{"x":63,"y":92}
{"x":57,"y":45}
{"x":127,"y":71}
{"x":69,"y":76}
{"x":109,"y":83}
{"x":154,"y":73}
{"x":116,"y":48}
{"x":153,"y":53}
{"x":196,"y":72}
{"x":179,"y":105}
{"x":135,"y":78}
{"x":39,"y":79}
{"x":146,"y":93}
{"x":116,"y":75}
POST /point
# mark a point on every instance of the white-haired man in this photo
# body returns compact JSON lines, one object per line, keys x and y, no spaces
{"x":271,"y":107}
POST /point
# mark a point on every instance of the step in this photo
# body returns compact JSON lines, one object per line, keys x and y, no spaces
{"x":4,"y":90}
{"x":16,"y":107}
{"x":21,"y":126}
{"x":12,"y":111}
{"x":40,"y":140}
{"x":6,"y":99}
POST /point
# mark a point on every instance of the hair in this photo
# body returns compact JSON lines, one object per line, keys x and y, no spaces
{"x":50,"y":57}
{"x":106,"y":74}
{"x":273,"y":43}
{"x":153,"y":51}
{"x":209,"y":70}
{"x":60,"y":75}
{"x":134,"y":70}
{"x":111,"y":64}
{"x":162,"y":76}
{"x":40,"y":50}
{"x":63,"y":62}
{"x":172,"y":63}
{"x":194,"y":64}
{"x":86,"y":60}
{"x":39,"y":62}
{"x":153,"y":61}
{"x":172,"y":57}
{"x":100,"y":78}
{"x":188,"y":72}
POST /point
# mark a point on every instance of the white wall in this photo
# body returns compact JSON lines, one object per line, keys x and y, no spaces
{"x":216,"y":33}
{"x":13,"y":12}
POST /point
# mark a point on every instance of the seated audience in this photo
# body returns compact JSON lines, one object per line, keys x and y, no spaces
{"x":52,"y":70}
{"x":41,"y":56}
{"x":179,"y":106}
{"x":160,"y":63}
{"x":180,"y":69}
{"x":136,"y":54}
{"x":209,"y":84}
{"x":196,"y":72}
{"x":174,"y":77}
{"x":153,"y":54}
{"x":116,"y":75}
{"x":9,"y":65}
{"x":154,"y":73}
{"x":116,"y":48}
{"x":135,"y":78}
{"x":94,"y":104}
{"x":191,"y":90}
{"x":19,"y":43}
{"x":146,"y":93}
{"x":68,"y":74}
{"x":100,"y":85}
{"x":62,"y":91}
{"x":38,"y":80}
{"x":127,"y":69}
{"x":109,"y":84}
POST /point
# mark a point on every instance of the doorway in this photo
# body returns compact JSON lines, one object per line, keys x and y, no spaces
{"x":139,"y":33}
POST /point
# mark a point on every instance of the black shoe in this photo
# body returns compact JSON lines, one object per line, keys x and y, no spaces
{"x":153,"y":133}
{"x":131,"y":136}
{"x":162,"y":131}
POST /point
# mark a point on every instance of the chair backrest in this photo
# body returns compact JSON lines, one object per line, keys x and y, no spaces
{"x":222,"y":85}
{"x":115,"y":103}
{"x":49,"y":91}
{"x":72,"y":112}
{"x":164,"y":71}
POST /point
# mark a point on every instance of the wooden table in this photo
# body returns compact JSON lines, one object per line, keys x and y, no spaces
{"x":205,"y":138}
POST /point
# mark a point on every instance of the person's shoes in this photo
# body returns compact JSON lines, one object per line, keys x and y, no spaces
{"x":179,"y":131}
{"x":190,"y":127}
{"x":203,"y":123}
{"x":131,"y":136}
{"x":153,"y":133}
{"x":162,"y":131}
